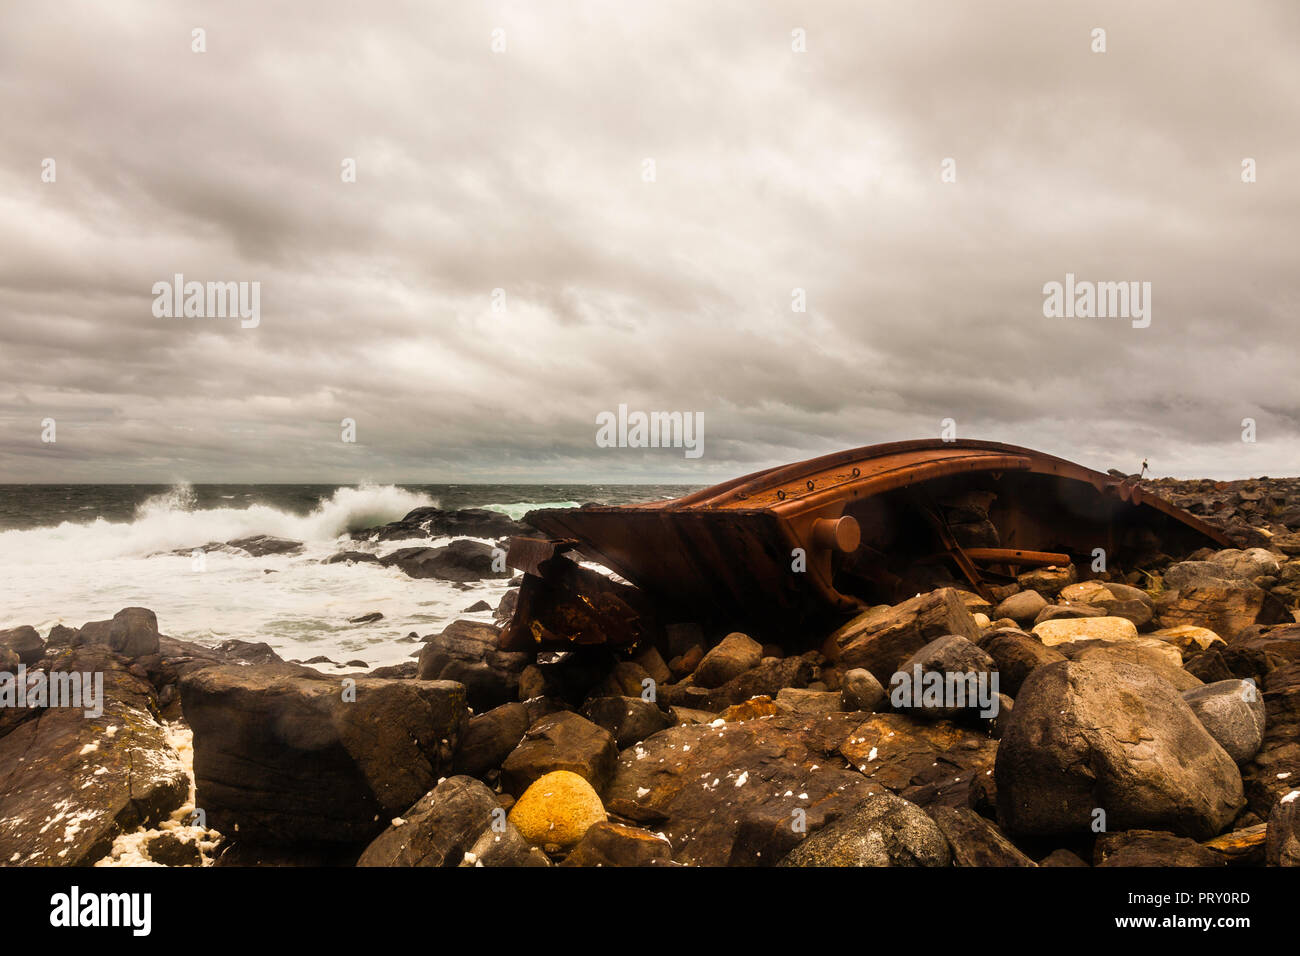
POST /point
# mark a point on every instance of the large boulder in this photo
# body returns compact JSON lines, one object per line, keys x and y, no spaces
{"x":1068,"y":630}
{"x":466,"y":652}
{"x":883,"y":830}
{"x":861,"y":691}
{"x":1272,"y":775}
{"x":882,"y":638}
{"x":74,"y":780}
{"x":285,"y":755}
{"x":436,"y":523}
{"x":740,"y":793}
{"x":1114,"y":737}
{"x":439,"y":829}
{"x":1233,"y":712}
{"x":560,"y":741}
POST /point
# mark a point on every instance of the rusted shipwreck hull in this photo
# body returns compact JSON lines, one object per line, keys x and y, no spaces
{"x":832,"y":534}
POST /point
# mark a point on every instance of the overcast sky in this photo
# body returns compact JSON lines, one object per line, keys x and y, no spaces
{"x":524,"y":170}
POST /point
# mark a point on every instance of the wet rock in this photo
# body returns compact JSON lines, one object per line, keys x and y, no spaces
{"x":1233,"y":713}
{"x":557,"y":809}
{"x":562,"y":741}
{"x":884,"y":830}
{"x":461,"y":560}
{"x":168,"y":849}
{"x":628,"y":719}
{"x":437,"y":523}
{"x":738,"y":793}
{"x":370,"y":618}
{"x":438,"y":829}
{"x":283,"y":754}
{"x":1116,"y":737}
{"x":880,"y":639}
{"x":861,"y":691}
{"x":975,"y":841}
{"x":613,"y":844}
{"x":734,"y":655}
{"x":506,"y":609}
{"x":352,"y":557}
{"x":260,"y":545}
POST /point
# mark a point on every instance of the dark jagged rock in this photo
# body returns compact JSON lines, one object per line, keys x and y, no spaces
{"x":614,"y":844}
{"x":461,"y":560}
{"x":436,"y":523}
{"x":1151,"y":848}
{"x":260,"y":545}
{"x":466,"y":651}
{"x":881,"y":639}
{"x":629,"y":719}
{"x":132,"y":632}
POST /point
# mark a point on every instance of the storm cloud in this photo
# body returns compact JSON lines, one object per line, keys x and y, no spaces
{"x":504,"y":268}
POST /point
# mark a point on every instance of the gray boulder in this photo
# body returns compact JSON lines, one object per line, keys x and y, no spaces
{"x":1089,"y":736}
{"x":883,"y":830}
{"x":1233,"y":712}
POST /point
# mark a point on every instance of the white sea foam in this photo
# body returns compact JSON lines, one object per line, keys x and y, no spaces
{"x":74,"y":573}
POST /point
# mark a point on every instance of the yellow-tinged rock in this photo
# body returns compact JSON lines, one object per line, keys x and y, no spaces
{"x":752,"y":709}
{"x":1188,"y":636}
{"x":1086,"y":592}
{"x":557,"y":808}
{"x":1068,"y":630}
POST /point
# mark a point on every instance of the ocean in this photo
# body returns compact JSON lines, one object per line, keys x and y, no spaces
{"x":70,"y":554}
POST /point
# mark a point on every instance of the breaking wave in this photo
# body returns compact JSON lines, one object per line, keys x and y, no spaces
{"x":171,"y":520}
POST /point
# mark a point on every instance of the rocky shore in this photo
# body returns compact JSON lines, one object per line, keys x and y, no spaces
{"x":1143,"y":716}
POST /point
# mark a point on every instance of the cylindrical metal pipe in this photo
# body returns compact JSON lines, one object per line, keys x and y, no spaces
{"x":839,"y":534}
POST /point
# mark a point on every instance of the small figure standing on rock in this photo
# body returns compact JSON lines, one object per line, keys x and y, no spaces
{"x":1145,"y":466}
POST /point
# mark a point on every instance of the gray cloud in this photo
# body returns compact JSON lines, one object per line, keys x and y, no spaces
{"x":521,"y":171}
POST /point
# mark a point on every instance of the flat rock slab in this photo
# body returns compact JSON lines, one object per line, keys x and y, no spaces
{"x":737,"y":793}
